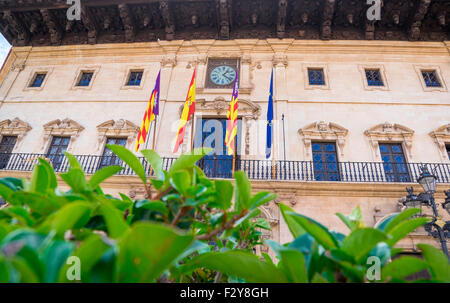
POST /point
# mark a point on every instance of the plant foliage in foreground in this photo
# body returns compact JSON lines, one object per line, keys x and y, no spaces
{"x":190,"y":229}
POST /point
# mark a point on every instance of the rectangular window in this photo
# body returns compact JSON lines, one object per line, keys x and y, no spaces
{"x":56,"y":151}
{"x":431,"y":79}
{"x":325,"y":161}
{"x":85,"y":79}
{"x":6,"y":147}
{"x":394,"y":162}
{"x":108,"y":157}
{"x":316,"y":76}
{"x":374,"y":77}
{"x":448,"y":150}
{"x":135,"y":78}
{"x":38,"y":80}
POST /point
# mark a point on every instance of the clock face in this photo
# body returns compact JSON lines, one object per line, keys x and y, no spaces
{"x":223,"y":75}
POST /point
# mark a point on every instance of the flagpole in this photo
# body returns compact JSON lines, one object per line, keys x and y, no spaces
{"x":192,"y":132}
{"x":148,"y":135}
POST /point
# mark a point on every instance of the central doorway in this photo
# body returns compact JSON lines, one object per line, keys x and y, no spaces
{"x":210,"y":132}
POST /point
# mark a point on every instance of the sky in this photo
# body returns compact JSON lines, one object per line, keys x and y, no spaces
{"x":4,"y":49}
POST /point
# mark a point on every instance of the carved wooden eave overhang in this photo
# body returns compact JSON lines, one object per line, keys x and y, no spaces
{"x":45,"y":22}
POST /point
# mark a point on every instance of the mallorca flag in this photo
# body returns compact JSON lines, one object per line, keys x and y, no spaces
{"x":150,"y":114}
{"x":270,"y":120}
{"x":232,"y":115}
{"x":188,"y":111}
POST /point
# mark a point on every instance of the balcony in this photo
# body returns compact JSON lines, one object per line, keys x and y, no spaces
{"x":360,"y":172}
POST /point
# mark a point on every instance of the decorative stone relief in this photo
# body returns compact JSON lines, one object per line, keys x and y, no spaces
{"x":441,"y":137}
{"x":392,"y":133}
{"x":220,"y":107}
{"x":16,"y":127}
{"x":66,"y":127}
{"x":323,"y":131}
{"x":119,"y":128}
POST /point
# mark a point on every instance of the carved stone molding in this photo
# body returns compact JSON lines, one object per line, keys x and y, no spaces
{"x":321,"y":131}
{"x":441,"y":137}
{"x":119,"y":128}
{"x":66,"y":128}
{"x":16,"y":127}
{"x":219,"y":106}
{"x":389,"y":132}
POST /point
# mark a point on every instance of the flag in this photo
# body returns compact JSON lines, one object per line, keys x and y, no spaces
{"x":232,"y":114}
{"x":270,"y":120}
{"x":150,"y":114}
{"x":188,"y":111}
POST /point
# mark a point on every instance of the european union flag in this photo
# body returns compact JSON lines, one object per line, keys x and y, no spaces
{"x":270,"y":121}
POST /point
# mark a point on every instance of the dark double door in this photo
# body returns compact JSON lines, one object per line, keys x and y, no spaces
{"x":211,"y":133}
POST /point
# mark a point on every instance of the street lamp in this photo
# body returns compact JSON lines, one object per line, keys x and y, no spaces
{"x":437,"y":228}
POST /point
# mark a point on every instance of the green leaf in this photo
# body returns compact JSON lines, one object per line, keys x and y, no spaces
{"x":181,"y":181}
{"x":52,"y":181}
{"x":437,"y":261}
{"x":224,"y":194}
{"x":361,"y":241}
{"x":354,"y":220}
{"x":158,"y":206}
{"x":239,"y":264}
{"x":38,"y":203}
{"x":71,"y":216}
{"x":74,"y":164}
{"x":263,"y":223}
{"x":39,"y":180}
{"x":252,"y":214}
{"x":397,"y":219}
{"x":129,"y":158}
{"x":89,"y":252}
{"x":27,"y":275}
{"x":293,"y":265}
{"x":5,"y":192}
{"x":103,"y":174}
{"x":295,"y":228}
{"x":243,"y":191}
{"x":261,"y":198}
{"x":402,"y":268}
{"x":316,"y":230}
{"x":147,"y":250}
{"x":114,"y":219}
{"x":54,"y":258}
{"x":188,"y":159}
{"x":76,"y":179}
{"x":21,"y":214}
{"x":402,"y":229}
{"x":155,"y":161}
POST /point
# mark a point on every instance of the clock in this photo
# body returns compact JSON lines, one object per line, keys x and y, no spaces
{"x":223,"y":75}
{"x":221,"y":72}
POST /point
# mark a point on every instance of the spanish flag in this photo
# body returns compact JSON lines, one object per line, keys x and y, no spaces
{"x":150,"y":114}
{"x":232,"y":115}
{"x":188,"y":111}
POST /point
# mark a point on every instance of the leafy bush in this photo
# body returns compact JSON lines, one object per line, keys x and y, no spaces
{"x":188,"y":230}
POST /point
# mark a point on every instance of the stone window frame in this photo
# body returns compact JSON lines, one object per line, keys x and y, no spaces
{"x":95,"y":69}
{"x":249,"y":112}
{"x":324,"y":67}
{"x":441,"y":136}
{"x":362,"y":69}
{"x":41,"y":70}
{"x":61,"y":128}
{"x":128,"y":72}
{"x":390,"y":133}
{"x":15,"y":127}
{"x":116,"y":129}
{"x":324,"y":132}
{"x":437,"y":70}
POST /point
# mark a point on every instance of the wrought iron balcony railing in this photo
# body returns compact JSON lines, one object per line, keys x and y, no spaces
{"x":255,"y":169}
